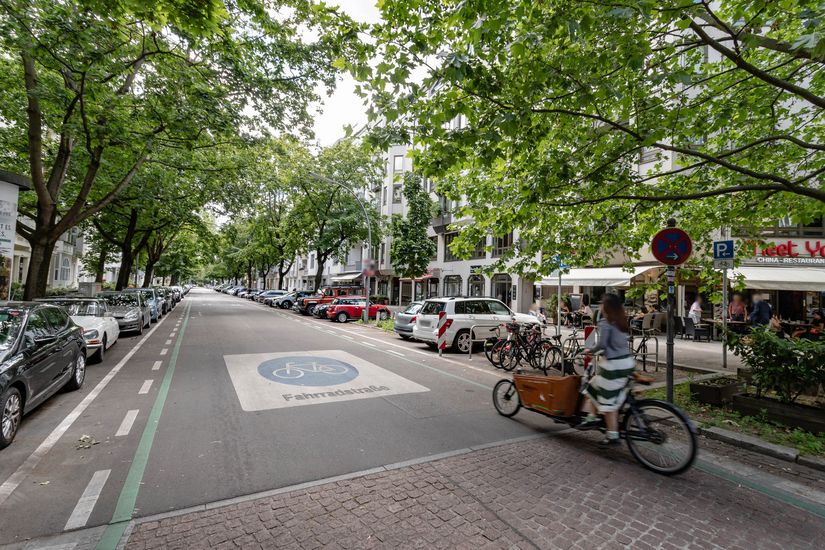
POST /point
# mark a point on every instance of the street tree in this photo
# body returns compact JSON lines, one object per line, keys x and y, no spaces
{"x":326,"y":210}
{"x":91,"y":90}
{"x":412,"y":249}
{"x":537,"y":114}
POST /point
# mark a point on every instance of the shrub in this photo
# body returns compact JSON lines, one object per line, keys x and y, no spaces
{"x":782,"y":365}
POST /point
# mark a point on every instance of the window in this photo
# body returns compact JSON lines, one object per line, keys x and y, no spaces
{"x":383,"y":249}
{"x":384,"y":196}
{"x":503,"y":244}
{"x":397,"y":193}
{"x":448,"y":254}
{"x":36,"y":326}
{"x":475,"y":286}
{"x":57,"y":319}
{"x":432,"y":308}
{"x":497,"y":308}
{"x":432,"y":287}
{"x":398,"y":163}
{"x":479,"y":252}
{"x":502,"y":287}
{"x":649,"y":154}
{"x":312,"y":261}
{"x":452,"y":285}
{"x":477,"y":307}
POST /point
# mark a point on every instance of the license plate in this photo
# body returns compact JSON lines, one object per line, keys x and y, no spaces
{"x":425,"y":324}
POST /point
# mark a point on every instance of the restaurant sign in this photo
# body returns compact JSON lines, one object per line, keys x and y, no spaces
{"x":788,"y":252}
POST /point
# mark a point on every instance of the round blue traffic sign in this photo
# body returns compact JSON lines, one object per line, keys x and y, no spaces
{"x":307,"y":371}
{"x":671,"y":246}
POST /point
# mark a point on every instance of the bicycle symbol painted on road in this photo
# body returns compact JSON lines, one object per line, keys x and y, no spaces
{"x":307,"y":371}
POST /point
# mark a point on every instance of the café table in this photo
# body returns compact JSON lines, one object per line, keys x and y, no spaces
{"x":734,"y":326}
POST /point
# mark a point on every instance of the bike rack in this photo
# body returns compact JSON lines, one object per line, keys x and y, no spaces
{"x":496,"y":330}
{"x":649,"y":353}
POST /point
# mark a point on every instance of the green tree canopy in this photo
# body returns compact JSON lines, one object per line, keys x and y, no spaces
{"x":412,"y":250}
{"x":558,"y":100}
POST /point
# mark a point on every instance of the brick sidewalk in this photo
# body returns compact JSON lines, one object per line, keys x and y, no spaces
{"x":559,"y":492}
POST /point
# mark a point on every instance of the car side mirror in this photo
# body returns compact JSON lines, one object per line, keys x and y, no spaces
{"x":29,"y":342}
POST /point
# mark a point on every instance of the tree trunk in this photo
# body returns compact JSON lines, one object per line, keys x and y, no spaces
{"x":147,"y":276}
{"x":281,"y":274}
{"x":100,"y":266}
{"x":127,"y":260}
{"x":319,"y":272}
{"x":37,"y":277}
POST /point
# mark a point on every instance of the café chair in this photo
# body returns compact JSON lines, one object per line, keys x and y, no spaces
{"x":697,"y":332}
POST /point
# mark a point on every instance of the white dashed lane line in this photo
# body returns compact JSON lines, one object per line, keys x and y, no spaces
{"x":83,"y":509}
{"x":144,"y":389}
{"x":168,"y":342}
{"x":367,"y":344}
{"x":395,"y":353}
{"x":164,"y":351}
{"x":126,"y":425}
{"x":157,"y":365}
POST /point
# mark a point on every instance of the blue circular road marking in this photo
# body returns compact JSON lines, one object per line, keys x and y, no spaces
{"x":307,"y":371}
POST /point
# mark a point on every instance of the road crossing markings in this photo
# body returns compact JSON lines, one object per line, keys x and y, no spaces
{"x":125,"y":508}
{"x":164,"y":351}
{"x":83,"y":509}
{"x":128,"y":421}
{"x":157,"y":365}
{"x":13,"y":481}
{"x":168,"y":342}
{"x":144,"y":389}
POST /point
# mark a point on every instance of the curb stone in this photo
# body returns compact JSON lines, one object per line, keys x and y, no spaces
{"x":760,"y":446}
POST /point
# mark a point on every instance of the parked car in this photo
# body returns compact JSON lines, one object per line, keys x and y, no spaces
{"x":405,"y":320}
{"x":288,"y":300}
{"x":252,"y":294}
{"x":462,"y":314}
{"x":325,"y":295}
{"x":100,"y":329}
{"x":177,"y":293}
{"x":352,"y":307}
{"x":267,"y":296}
{"x":166,"y":302}
{"x":320,"y":311}
{"x":151,"y":297}
{"x":130,"y":310}
{"x":41,"y":351}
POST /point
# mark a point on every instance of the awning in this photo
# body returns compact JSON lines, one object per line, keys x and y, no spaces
{"x":597,"y":276}
{"x":783,"y":278}
{"x":346,"y":277}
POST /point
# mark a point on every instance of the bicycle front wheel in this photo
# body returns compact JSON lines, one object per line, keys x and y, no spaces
{"x":505,"y":398}
{"x":660,"y":436}
{"x":509,"y":356}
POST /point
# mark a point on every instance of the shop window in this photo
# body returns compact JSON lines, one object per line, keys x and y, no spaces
{"x":432,"y":287}
{"x":502,"y":244}
{"x":452,"y":285}
{"x":475,"y":286}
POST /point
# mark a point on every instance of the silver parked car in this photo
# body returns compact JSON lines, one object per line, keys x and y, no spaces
{"x":130,"y":309}
{"x":405,"y":321}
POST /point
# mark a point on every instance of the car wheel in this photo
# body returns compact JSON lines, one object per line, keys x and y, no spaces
{"x":382,"y":315}
{"x":101,"y":353}
{"x":404,"y":336}
{"x":286,"y":305}
{"x":11,"y":409}
{"x":78,"y":373}
{"x":140,"y":330}
{"x":342,"y":317}
{"x":463,"y":341}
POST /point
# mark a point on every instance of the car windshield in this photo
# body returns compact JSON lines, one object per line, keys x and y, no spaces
{"x":127,"y":299}
{"x":11,"y":320}
{"x":413,"y":309}
{"x":92,"y":308}
{"x":432,"y":308}
{"x":147,"y":294}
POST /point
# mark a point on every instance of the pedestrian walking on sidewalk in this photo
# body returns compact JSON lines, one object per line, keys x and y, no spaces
{"x":607,"y":390}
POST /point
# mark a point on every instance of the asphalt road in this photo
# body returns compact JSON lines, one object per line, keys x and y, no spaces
{"x":226,"y":398}
{"x":202,"y":446}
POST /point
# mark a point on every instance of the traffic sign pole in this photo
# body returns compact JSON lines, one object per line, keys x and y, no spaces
{"x":725,"y":318}
{"x":671,"y":302}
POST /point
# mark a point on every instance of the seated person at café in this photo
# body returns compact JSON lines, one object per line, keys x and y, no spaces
{"x":817,"y":328}
{"x":636,"y":322}
{"x":737,"y":311}
{"x":584,"y":310}
{"x":695,"y":312}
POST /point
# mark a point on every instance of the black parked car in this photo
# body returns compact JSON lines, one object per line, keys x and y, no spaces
{"x":41,"y":351}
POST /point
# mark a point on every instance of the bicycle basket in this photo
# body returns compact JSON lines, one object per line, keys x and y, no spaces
{"x":555,"y":395}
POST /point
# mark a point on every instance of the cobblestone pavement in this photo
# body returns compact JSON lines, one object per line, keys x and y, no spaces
{"x":558,"y":492}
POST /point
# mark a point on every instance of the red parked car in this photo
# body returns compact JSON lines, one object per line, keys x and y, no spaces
{"x":352,"y":307}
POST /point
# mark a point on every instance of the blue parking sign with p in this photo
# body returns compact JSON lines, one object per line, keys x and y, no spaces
{"x":723,"y":250}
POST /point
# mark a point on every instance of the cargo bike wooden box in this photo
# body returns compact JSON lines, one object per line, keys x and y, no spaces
{"x":659,"y":435}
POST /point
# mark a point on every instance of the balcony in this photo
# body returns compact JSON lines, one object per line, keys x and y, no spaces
{"x":440,"y":222}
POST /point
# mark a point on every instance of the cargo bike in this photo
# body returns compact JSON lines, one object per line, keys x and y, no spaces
{"x":658,"y":434}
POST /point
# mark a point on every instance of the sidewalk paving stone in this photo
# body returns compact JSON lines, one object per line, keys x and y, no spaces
{"x":560,"y":492}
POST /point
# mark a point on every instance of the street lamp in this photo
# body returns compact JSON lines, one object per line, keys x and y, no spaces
{"x":366,"y":316}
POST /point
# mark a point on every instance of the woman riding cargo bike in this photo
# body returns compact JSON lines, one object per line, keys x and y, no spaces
{"x":659,"y":435}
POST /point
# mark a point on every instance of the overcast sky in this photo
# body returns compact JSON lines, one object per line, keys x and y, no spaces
{"x":344,"y":107}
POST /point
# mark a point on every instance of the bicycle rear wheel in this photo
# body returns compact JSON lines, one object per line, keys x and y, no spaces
{"x":491,"y":350}
{"x":660,"y":436}
{"x":505,"y":398}
{"x":509,"y":356}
